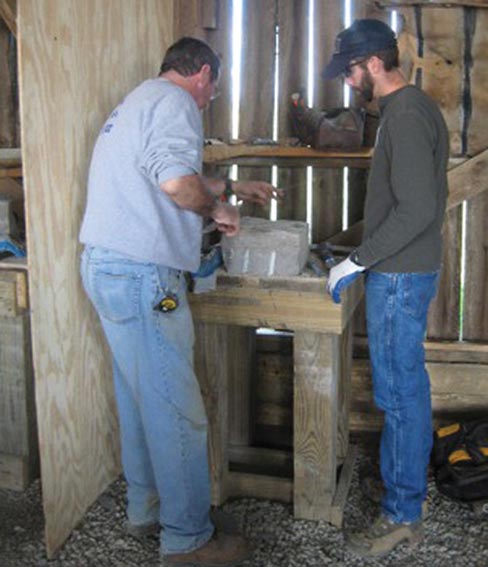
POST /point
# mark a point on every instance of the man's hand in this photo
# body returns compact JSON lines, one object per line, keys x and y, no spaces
{"x":226,"y":218}
{"x":341,"y":276}
{"x":259,"y":192}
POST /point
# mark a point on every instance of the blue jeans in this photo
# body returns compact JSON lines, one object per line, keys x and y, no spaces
{"x":163,"y":425}
{"x":396,"y":312}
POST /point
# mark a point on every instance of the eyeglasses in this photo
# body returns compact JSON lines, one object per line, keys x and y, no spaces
{"x":348,"y":68}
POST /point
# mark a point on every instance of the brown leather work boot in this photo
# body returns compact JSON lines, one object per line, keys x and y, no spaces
{"x":383,"y":536}
{"x":222,"y":550}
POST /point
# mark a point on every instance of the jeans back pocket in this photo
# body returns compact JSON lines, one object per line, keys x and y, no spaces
{"x":116,"y":295}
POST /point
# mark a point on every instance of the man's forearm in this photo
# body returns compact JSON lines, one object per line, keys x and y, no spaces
{"x":192,"y":192}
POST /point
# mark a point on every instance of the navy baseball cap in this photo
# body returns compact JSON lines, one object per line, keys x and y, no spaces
{"x":361,"y":38}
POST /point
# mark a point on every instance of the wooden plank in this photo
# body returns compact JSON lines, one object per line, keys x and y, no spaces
{"x":257,"y":86}
{"x":8,"y":295}
{"x":221,"y":152}
{"x":209,"y":14}
{"x":212,"y":358}
{"x":477,"y":135}
{"x":188,"y":19}
{"x":293,"y":57}
{"x":10,"y":157}
{"x":443,"y":318}
{"x":217,"y":117}
{"x":437,"y":351}
{"x":345,"y":479}
{"x":248,"y":485}
{"x":344,"y":392}
{"x":14,"y":472}
{"x":293,"y":206}
{"x":8,"y":13}
{"x":9,"y":134}
{"x":241,"y":343}
{"x":432,"y":45}
{"x":274,"y":307}
{"x":77,"y":432}
{"x":14,"y":172}
{"x":17,"y":417}
{"x":456,"y":389}
{"x":315,"y":414}
{"x":433,"y":3}
{"x":257,"y":77}
{"x":327,"y":184}
{"x":271,"y":462}
{"x":468,"y":179}
{"x":475,"y":307}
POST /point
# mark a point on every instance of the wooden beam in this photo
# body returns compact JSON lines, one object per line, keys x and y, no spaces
{"x":457,"y":389}
{"x":220,"y":152}
{"x":468,"y":179}
{"x":432,"y":3}
{"x":438,"y":351}
{"x":8,"y":13}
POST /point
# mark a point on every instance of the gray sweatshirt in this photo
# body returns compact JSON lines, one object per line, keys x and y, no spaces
{"x":155,"y":134}
{"x":407,"y":186}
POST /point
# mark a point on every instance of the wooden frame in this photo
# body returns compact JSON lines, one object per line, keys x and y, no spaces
{"x":322,"y":355}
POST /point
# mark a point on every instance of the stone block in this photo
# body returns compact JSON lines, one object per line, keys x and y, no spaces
{"x":267,"y":248}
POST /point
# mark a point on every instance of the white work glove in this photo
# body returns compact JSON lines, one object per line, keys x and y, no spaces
{"x":341,"y":276}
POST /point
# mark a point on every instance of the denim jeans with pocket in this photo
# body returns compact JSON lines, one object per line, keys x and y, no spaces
{"x":163,"y":425}
{"x":396,"y":312}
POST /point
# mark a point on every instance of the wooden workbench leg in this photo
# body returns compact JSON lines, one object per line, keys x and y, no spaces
{"x":211,"y":368}
{"x":316,"y":376}
{"x":242,"y":349}
{"x":344,"y":393}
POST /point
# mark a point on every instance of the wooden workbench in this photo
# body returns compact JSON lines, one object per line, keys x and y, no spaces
{"x":225,"y":320}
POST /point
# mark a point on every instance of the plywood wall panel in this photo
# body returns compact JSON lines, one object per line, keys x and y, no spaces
{"x":77,"y":60}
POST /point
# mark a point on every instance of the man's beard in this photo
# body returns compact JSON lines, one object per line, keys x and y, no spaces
{"x":366,"y":87}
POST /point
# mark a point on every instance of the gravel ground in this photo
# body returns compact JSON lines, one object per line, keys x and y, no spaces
{"x":455,"y":537}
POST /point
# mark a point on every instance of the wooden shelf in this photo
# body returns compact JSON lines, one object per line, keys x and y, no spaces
{"x":288,"y":156}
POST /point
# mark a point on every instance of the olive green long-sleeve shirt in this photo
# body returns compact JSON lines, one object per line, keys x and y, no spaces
{"x":407,"y":186}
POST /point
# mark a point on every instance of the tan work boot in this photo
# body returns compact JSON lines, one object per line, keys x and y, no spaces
{"x":383,"y":536}
{"x":222,"y":550}
{"x":373,"y":489}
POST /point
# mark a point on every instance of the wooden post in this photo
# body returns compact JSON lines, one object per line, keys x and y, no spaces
{"x":212,"y":369}
{"x":316,"y":358}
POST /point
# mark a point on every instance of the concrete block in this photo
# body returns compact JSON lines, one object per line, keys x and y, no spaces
{"x":267,"y":248}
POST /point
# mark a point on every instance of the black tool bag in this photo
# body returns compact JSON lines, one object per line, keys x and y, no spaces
{"x":337,"y":128}
{"x":460,"y":460}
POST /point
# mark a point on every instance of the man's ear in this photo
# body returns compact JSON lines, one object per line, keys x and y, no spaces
{"x":205,"y":74}
{"x":375,"y":65}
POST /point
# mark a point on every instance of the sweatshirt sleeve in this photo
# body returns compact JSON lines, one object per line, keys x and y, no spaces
{"x":410,"y":145}
{"x":172,"y":139}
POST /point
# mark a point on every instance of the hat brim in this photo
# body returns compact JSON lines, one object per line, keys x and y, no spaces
{"x":336,"y":66}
